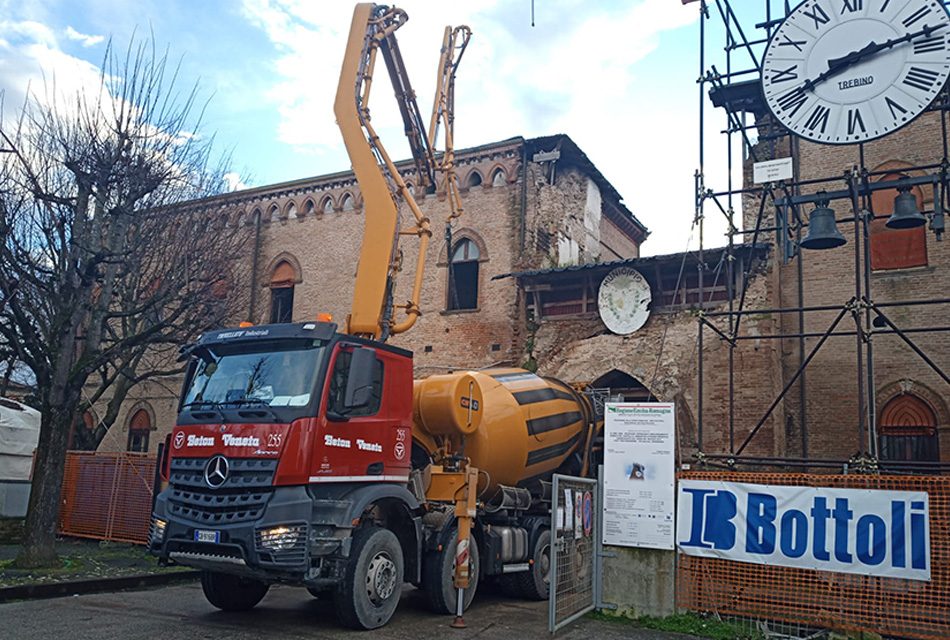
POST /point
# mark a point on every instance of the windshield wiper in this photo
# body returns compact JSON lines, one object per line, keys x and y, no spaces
{"x":259,"y":404}
{"x":199,"y":405}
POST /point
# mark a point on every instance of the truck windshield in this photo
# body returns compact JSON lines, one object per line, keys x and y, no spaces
{"x":276,"y":374}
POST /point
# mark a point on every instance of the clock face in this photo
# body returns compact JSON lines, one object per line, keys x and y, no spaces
{"x":847,"y":71}
{"x":624,"y":300}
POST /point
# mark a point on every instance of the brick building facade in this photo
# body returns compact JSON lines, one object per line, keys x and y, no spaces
{"x":540,"y":232}
{"x":529,"y":204}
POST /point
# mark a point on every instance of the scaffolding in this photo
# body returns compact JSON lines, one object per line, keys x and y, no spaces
{"x":733,"y":37}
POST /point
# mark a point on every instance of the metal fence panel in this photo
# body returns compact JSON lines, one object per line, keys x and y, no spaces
{"x":107,"y":496}
{"x":905,"y":608}
{"x":575,"y":527}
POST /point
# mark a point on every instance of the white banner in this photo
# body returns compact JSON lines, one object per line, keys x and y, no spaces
{"x":864,"y":531}
{"x":639,"y":474}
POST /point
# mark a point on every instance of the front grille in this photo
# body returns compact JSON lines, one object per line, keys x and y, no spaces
{"x":245,"y":473}
{"x":241,"y":498}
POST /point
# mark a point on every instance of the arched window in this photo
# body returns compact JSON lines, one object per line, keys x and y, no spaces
{"x":308,"y":208}
{"x":908,"y":430}
{"x":328,"y":205}
{"x":474,"y":179}
{"x":291,"y":210}
{"x":463,"y":276}
{"x":273,"y":214}
{"x":282,"y":281}
{"x":498,"y":178}
{"x":895,"y":248}
{"x":140,"y":426}
{"x":347,"y":204}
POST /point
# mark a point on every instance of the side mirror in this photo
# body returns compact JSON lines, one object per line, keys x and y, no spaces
{"x":359,"y":380}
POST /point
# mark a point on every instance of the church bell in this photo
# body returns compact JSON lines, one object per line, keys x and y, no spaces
{"x":822,"y":229}
{"x":906,"y":215}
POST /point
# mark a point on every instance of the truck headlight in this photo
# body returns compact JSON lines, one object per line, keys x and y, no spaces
{"x":156,"y":532}
{"x":281,"y":538}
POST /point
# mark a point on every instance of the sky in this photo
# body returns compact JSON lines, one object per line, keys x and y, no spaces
{"x":617,"y":76}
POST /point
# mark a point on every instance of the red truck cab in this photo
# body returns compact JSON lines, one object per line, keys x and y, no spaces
{"x":288,"y":438}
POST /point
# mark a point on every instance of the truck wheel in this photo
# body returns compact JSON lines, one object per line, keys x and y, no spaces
{"x":372,"y":582}
{"x":232,"y":593}
{"x":438,"y":578}
{"x":535,"y":583}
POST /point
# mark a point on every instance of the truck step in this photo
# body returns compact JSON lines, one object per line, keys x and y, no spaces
{"x":516,"y":567}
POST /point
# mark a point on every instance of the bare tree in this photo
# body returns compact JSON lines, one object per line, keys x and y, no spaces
{"x":115,"y":265}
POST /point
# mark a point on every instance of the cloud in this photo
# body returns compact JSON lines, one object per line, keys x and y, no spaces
{"x":31,"y":61}
{"x":82,"y":38}
{"x":234,"y":181}
{"x":580,"y":71}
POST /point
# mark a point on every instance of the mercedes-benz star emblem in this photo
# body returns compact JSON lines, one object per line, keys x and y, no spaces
{"x":216,"y":471}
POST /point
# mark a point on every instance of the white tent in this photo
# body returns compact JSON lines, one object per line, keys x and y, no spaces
{"x":19,"y":433}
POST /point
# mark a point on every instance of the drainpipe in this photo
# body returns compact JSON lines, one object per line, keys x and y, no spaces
{"x":254,"y":259}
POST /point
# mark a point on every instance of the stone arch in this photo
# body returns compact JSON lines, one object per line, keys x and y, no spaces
{"x":934,"y":400}
{"x":499,"y":177}
{"x":256,"y":215}
{"x":466,"y":234}
{"x":309,"y":208}
{"x":327,"y":205}
{"x":347,"y":202}
{"x":273,"y":213}
{"x":240,"y":219}
{"x":624,"y":385}
{"x":473,"y":179}
{"x":290,"y":211}
{"x":290,"y":274}
{"x":141,"y":415}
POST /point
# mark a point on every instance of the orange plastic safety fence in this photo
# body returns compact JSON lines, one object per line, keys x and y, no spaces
{"x":905,"y":608}
{"x":107,"y":496}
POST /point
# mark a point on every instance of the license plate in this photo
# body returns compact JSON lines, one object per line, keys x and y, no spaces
{"x":203,"y":535}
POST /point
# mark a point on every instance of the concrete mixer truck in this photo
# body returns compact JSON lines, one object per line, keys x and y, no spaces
{"x":308,"y":455}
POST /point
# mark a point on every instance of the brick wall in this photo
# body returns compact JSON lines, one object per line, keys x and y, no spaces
{"x":322,"y":242}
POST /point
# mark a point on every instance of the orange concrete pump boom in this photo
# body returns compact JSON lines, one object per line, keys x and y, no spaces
{"x":372,"y":31}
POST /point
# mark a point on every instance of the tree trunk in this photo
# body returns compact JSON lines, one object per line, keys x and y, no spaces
{"x":39,"y":542}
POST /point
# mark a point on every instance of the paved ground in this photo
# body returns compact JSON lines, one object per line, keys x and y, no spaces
{"x":181,"y":612}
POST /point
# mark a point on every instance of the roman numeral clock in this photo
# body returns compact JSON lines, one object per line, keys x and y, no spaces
{"x":849,"y":71}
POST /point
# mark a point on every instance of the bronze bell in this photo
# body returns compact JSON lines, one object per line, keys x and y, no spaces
{"x":822,"y":229}
{"x":906,"y":215}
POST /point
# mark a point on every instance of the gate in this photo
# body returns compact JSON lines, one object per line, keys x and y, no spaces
{"x":574,"y":530}
{"x":107,"y":496}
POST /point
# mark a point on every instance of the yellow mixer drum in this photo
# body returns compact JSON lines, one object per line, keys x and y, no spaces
{"x":517,"y":425}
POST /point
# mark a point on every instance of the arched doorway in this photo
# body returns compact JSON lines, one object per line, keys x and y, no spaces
{"x":623,"y":387}
{"x":907,"y":430}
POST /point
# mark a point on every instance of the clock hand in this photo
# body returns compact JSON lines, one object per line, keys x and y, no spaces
{"x":874,"y":47}
{"x":837,"y":65}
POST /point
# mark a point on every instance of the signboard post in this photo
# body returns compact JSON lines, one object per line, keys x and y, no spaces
{"x":639,"y":475}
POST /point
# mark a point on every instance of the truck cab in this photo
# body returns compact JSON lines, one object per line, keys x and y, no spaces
{"x":289,"y":438}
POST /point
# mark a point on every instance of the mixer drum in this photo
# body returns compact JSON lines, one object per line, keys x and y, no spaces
{"x":517,"y":426}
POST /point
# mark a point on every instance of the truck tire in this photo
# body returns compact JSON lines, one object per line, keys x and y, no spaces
{"x":438,"y":576}
{"x":535,"y":583}
{"x":372,"y":583}
{"x":232,"y":593}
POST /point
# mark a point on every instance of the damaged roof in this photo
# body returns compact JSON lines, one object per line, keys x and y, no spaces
{"x":710,"y":256}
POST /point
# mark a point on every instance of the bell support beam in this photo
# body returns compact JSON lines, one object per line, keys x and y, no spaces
{"x":862,"y":189}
